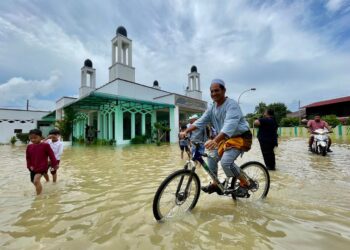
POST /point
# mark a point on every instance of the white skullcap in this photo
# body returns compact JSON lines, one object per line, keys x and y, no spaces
{"x":195,"y":116}
{"x":218,"y":81}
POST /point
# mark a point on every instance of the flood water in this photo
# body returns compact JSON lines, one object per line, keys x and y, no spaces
{"x":103,"y":200}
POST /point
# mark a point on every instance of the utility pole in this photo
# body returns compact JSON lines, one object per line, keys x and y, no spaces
{"x":27,"y":104}
{"x":299,"y":112}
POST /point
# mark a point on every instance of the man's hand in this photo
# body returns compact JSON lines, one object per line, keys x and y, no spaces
{"x":183,"y":135}
{"x":211,"y":144}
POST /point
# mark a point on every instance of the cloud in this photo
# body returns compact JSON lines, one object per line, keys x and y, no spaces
{"x":16,"y":91}
{"x":288,"y":50}
{"x":334,"y":5}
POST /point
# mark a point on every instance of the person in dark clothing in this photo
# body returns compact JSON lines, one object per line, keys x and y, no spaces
{"x":267,"y":137}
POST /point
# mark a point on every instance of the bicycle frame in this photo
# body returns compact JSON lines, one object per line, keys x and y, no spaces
{"x":198,"y":157}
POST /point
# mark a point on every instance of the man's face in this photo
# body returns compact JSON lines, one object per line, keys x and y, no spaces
{"x":317,"y":118}
{"x":216,"y":92}
{"x":35,"y":139}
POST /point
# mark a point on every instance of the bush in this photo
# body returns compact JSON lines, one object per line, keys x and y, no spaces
{"x":139,"y":139}
{"x":332,"y":120}
{"x":23,"y":137}
{"x":289,"y":122}
{"x":347,"y":121}
{"x":13,"y":140}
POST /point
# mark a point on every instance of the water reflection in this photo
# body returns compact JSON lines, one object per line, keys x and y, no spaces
{"x":104,"y":195}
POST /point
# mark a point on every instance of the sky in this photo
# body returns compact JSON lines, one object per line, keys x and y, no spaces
{"x":290,"y":51}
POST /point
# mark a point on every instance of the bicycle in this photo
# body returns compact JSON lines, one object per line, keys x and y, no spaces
{"x":180,"y":190}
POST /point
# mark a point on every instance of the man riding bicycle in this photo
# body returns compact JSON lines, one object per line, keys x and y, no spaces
{"x":233,"y":138}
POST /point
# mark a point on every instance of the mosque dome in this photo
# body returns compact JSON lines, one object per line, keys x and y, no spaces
{"x":88,"y":63}
{"x":155,"y":83}
{"x":121,"y":30}
{"x":193,"y":69}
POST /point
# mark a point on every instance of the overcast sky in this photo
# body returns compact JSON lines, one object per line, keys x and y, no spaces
{"x":287,"y":50}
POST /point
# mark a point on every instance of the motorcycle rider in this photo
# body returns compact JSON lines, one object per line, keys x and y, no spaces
{"x":318,"y":123}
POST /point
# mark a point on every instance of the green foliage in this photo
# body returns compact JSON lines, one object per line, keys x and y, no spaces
{"x":13,"y":140}
{"x":289,"y":122}
{"x":250,"y":117}
{"x":260,"y":108}
{"x":332,"y":120}
{"x":159,"y":131}
{"x":101,"y":142}
{"x":66,"y":124}
{"x":81,"y":140}
{"x":280,"y":110}
{"x":23,"y":137}
{"x":347,"y":121}
{"x":139,"y":139}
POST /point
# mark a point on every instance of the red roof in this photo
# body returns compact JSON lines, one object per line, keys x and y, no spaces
{"x":327,"y":102}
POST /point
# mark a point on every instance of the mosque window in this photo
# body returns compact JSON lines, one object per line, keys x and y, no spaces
{"x":148,"y":125}
{"x":126,"y":126}
{"x":138,"y":124}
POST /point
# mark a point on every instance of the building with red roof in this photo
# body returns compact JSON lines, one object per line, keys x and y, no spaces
{"x":338,"y":106}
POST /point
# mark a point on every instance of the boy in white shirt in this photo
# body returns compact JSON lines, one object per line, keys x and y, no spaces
{"x":57,"y":147}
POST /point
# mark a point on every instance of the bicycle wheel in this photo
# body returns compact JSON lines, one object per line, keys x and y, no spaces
{"x":260,"y":175}
{"x":171,"y":198}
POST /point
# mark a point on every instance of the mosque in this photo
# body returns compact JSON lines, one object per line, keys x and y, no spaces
{"x":122,"y":108}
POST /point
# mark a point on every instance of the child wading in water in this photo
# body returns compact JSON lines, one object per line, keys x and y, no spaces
{"x":37,"y":154}
{"x":57,"y":148}
{"x":184,"y":144}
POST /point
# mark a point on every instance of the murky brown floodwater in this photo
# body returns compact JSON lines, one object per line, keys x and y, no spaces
{"x":103,"y":200}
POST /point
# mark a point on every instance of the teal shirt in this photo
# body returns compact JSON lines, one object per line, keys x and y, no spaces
{"x":227,"y":118}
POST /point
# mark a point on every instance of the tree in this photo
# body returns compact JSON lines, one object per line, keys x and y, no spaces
{"x":260,"y":108}
{"x":280,"y":110}
{"x":289,"y":122}
{"x":331,"y":120}
{"x":66,"y":124}
{"x":160,"y":131}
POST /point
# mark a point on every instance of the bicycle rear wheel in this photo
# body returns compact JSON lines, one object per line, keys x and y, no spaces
{"x":171,"y":198}
{"x":260,"y":175}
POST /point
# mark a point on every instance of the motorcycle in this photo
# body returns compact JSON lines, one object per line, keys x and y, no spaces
{"x":321,"y":141}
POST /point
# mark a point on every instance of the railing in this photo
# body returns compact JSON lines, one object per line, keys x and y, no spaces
{"x":339,"y":131}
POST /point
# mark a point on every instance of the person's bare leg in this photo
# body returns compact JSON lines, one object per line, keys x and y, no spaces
{"x":182,"y":154}
{"x":37,"y":184}
{"x":54,"y":177}
{"x":46,"y":176}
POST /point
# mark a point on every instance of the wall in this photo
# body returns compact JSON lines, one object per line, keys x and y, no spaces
{"x":341,"y":132}
{"x":17,"y":119}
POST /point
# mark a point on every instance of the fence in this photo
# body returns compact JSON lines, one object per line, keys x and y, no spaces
{"x":341,"y":132}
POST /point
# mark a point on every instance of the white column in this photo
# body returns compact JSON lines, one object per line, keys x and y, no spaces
{"x":132,"y":125}
{"x":104,"y":126}
{"x":110,"y":124}
{"x":113,"y":53}
{"x":98,"y":124}
{"x":153,"y":118}
{"x":174,"y":123}
{"x":130,"y":55}
{"x":124,"y":54}
{"x":119,"y":50}
{"x":143,"y":124}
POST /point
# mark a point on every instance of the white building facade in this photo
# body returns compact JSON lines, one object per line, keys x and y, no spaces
{"x":13,"y":121}
{"x":122,"y":109}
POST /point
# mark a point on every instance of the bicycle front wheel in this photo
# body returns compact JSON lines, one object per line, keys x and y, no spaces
{"x":260,"y":175}
{"x":177,"y":194}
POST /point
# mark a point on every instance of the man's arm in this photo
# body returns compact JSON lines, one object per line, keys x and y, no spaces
{"x":309,"y":126}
